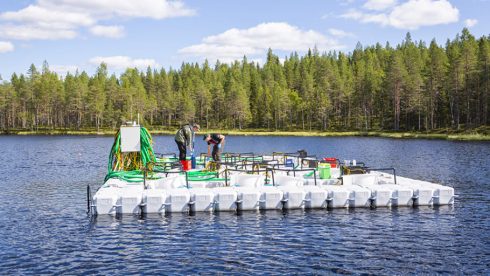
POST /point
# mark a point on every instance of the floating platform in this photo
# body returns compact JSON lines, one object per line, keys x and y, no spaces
{"x":277,"y":184}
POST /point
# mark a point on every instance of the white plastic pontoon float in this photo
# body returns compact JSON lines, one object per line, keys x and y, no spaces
{"x":247,"y":182}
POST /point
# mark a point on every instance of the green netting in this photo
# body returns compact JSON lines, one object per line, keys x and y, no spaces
{"x":128,"y":166}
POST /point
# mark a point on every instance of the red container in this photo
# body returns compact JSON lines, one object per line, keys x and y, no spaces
{"x":331,"y":161}
{"x":186,"y":165}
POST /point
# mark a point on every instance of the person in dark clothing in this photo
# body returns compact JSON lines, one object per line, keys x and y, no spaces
{"x":217,"y":140}
{"x":185,"y":138}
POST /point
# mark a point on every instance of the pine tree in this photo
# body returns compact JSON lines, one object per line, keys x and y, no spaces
{"x":483,"y":99}
{"x":409,"y":87}
{"x":436,"y":70}
{"x":413,"y":96}
{"x":395,"y":83}
{"x":236,"y":98}
{"x":455,"y":80}
{"x":469,"y":52}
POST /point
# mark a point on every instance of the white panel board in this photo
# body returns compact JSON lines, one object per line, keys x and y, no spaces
{"x":130,"y":139}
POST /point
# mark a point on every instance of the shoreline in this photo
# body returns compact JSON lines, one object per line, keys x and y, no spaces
{"x":393,"y":135}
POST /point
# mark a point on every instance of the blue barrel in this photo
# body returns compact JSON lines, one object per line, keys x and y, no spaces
{"x":193,"y":161}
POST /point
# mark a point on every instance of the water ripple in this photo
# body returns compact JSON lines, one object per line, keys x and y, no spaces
{"x":44,"y":228}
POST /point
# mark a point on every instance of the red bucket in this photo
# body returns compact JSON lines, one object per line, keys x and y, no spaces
{"x":186,"y":165}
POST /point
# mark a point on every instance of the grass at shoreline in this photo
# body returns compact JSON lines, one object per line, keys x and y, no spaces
{"x":255,"y":132}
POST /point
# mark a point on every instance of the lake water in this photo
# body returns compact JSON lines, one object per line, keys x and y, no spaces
{"x":44,"y":228}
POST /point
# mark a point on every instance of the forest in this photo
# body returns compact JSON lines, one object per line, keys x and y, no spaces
{"x":413,"y":86}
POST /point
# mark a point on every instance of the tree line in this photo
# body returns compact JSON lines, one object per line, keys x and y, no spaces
{"x":411,"y":87}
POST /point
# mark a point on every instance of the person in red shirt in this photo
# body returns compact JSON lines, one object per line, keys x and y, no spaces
{"x":217,"y":140}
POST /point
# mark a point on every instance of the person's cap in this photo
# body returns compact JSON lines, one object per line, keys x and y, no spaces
{"x":196,"y":126}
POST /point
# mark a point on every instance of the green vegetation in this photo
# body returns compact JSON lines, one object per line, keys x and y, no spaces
{"x":411,"y":90}
{"x":481,"y":134}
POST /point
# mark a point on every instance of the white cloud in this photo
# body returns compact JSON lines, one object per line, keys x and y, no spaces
{"x":6,"y":46}
{"x":379,"y":5}
{"x":108,"y":31}
{"x":417,"y":13}
{"x":380,"y":18}
{"x":225,"y":53}
{"x":329,"y":15}
{"x":345,"y":2}
{"x":233,"y":44}
{"x":410,"y":15}
{"x":28,"y":32}
{"x":68,"y":16}
{"x":123,"y":62}
{"x":64,"y":69}
{"x":470,"y":22}
{"x":340,"y":33}
{"x":156,"y":9}
{"x":48,"y":17}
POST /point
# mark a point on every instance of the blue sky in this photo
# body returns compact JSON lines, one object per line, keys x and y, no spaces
{"x":80,"y":34}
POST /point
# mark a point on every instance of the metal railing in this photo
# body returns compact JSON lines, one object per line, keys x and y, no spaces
{"x":384,"y":169}
{"x":163,"y":155}
{"x":89,"y":200}
{"x":265,"y":170}
{"x":294,"y":170}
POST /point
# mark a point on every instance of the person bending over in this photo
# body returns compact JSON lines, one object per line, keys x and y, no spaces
{"x":185,"y":139}
{"x":217,"y":140}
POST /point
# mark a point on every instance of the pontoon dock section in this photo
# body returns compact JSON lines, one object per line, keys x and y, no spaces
{"x":244,"y":182}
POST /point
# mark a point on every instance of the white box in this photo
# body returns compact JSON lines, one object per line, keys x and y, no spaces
{"x":130,"y":138}
{"x":202,"y":200}
{"x":225,"y":198}
{"x":248,"y":198}
{"x":338,"y":196}
{"x":131,"y":199}
{"x":316,"y":197}
{"x":154,"y":201}
{"x":270,"y":198}
{"x":105,"y":200}
{"x":177,"y":200}
{"x":293,"y":197}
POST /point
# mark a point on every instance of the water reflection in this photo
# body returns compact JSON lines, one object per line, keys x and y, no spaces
{"x":44,"y":228}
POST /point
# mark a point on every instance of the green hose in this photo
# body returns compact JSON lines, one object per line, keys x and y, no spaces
{"x":200,"y":173}
{"x":196,"y":179}
{"x":128,"y":166}
{"x":130,"y":176}
{"x":309,"y":174}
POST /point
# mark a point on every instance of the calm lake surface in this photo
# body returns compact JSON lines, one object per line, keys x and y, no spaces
{"x":44,"y":228}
